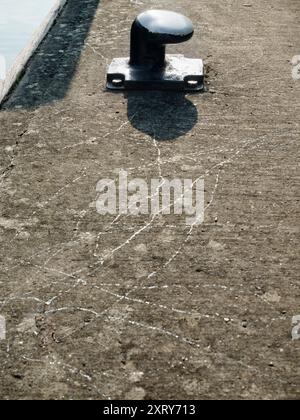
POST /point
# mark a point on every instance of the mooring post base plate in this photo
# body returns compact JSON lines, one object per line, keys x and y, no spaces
{"x":179,"y":74}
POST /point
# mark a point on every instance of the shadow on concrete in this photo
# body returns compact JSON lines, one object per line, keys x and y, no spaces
{"x":162,"y":115}
{"x":52,"y":67}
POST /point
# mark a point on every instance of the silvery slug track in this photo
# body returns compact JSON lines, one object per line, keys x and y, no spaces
{"x":142,"y":307}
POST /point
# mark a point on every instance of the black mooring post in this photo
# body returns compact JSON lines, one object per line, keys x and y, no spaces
{"x":148,"y":66}
{"x":151,"y":31}
{"x":143,"y":51}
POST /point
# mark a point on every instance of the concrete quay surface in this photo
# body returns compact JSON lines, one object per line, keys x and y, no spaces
{"x":84,"y":317}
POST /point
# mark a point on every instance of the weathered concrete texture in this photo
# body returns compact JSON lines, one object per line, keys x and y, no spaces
{"x":83,"y":318}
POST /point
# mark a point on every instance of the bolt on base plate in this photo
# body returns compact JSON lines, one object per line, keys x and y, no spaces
{"x":179,"y":74}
